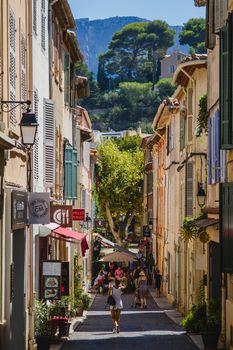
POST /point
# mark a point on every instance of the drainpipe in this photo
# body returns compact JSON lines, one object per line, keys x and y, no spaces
{"x":50,"y":31}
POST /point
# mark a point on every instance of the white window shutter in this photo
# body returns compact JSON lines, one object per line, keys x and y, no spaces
{"x":49,"y":143}
{"x":23,"y":68}
{"x":36,"y":145}
{"x":35,"y":2}
{"x":43,"y":25}
{"x":12,"y":67}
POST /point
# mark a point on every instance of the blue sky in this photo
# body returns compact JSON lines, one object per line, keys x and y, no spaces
{"x":172,"y":11}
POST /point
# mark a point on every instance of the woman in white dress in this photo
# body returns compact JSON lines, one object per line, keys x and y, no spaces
{"x":116,"y":292}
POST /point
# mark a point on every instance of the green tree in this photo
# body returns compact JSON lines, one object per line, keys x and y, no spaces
{"x":193,"y":34}
{"x":119,"y":177}
{"x":134,"y":52}
{"x":164,"y":88}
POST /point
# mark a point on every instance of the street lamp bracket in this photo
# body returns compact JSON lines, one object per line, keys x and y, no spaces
{"x":6,"y":106}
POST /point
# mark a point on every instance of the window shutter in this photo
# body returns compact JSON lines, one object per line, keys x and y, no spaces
{"x":168,"y":139}
{"x":190,"y":115}
{"x":225,"y":84}
{"x":12,"y":68}
{"x":49,"y":143}
{"x":217,"y":148}
{"x":67,"y":77}
{"x":84,"y":199}
{"x":36,"y":145}
{"x":210,"y":36}
{"x":220,"y":14}
{"x":189,"y":189}
{"x":209,"y":163}
{"x":227,"y":224}
{"x":182,"y":132}
{"x":74,"y":174}
{"x":23,"y":68}
{"x":223,"y":173}
{"x":213,"y":150}
{"x":35,"y":17}
{"x":68,"y":172}
{"x":43,"y":25}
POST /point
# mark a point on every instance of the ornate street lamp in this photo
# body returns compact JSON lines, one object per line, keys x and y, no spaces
{"x":201,"y":195}
{"x":28,"y":128}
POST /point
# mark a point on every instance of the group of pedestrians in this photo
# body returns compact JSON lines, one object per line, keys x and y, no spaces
{"x":117,"y":280}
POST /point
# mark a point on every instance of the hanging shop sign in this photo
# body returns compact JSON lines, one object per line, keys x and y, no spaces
{"x":61,"y":214}
{"x":19,"y":201}
{"x":39,"y":208}
{"x":78,"y":214}
{"x":52,"y":280}
{"x":99,"y":223}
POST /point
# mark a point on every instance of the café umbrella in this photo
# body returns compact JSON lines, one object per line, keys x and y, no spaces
{"x":118,"y":257}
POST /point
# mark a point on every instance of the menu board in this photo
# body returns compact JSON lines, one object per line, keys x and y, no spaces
{"x":52,"y":268}
{"x":52,"y":280}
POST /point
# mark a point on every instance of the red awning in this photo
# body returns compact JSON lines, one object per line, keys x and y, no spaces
{"x":62,"y":231}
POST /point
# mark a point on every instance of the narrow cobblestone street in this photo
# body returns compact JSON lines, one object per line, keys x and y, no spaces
{"x":146,"y":329}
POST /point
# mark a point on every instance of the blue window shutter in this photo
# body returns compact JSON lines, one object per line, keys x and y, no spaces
{"x":74,"y":174}
{"x":68,"y":173}
{"x":209,"y":152}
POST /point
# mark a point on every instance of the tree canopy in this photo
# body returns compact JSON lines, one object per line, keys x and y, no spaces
{"x":133,"y":53}
{"x":193,"y":34}
{"x":119,"y":182}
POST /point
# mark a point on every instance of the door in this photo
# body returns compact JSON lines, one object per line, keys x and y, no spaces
{"x":17,"y":291}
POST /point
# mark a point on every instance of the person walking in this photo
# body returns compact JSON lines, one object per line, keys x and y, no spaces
{"x":158,"y":279}
{"x":116,"y":292}
{"x":143,"y":289}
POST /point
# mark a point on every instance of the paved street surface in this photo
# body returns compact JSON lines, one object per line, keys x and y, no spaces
{"x":147,"y":329}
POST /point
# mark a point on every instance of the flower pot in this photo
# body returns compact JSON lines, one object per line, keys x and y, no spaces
{"x":43,"y":342}
{"x":79,"y":311}
{"x":64,"y":329}
{"x":210,"y":339}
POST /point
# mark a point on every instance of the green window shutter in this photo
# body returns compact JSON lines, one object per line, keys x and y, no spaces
{"x":189,"y":190}
{"x":182,"y":132}
{"x":225,"y":86}
{"x":74,"y":174}
{"x":68,"y":173}
{"x":226,"y":226}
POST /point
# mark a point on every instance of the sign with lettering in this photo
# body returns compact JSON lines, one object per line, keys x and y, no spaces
{"x":146,"y":231}
{"x":39,"y":208}
{"x":78,"y":214}
{"x":62,"y":215}
{"x":19,"y":209}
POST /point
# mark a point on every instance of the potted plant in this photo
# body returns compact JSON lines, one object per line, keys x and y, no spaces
{"x":42,"y":326}
{"x":86,"y":301}
{"x":78,"y":304}
{"x":204,"y":320}
{"x":60,"y":313}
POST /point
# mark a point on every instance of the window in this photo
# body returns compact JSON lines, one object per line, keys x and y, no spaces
{"x":226,"y":115}
{"x":149,"y":182}
{"x":70,"y":172}
{"x":170,"y":137}
{"x":172,"y":68}
{"x":67,"y":78}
